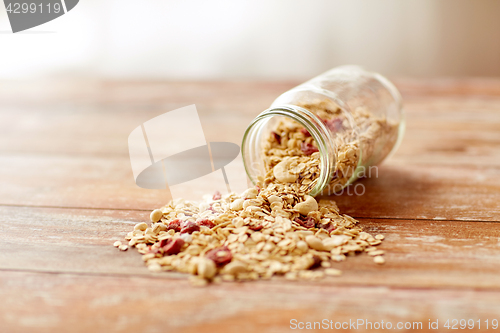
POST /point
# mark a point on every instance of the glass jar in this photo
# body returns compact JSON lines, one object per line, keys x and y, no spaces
{"x":325,"y":133}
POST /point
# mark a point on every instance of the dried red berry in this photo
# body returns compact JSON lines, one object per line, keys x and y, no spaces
{"x":306,"y":222}
{"x":277,"y":137}
{"x":255,"y":227}
{"x":221,"y":256}
{"x":316,"y":262}
{"x":190,"y":227}
{"x":216,"y":196}
{"x":155,"y":250}
{"x":335,"y":125}
{"x":329,"y":227}
{"x":164,"y":242}
{"x":308,"y":148}
{"x":175,"y":225}
{"x":205,"y":223}
{"x":305,"y":132}
{"x":173,"y":247}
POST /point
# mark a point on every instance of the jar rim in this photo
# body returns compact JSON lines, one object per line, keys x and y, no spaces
{"x":313,"y":124}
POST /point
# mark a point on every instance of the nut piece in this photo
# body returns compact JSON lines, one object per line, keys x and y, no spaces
{"x":235,"y":267}
{"x":237,"y":204}
{"x":302,"y":246}
{"x":315,"y":243}
{"x":282,"y":172}
{"x":156,"y":215}
{"x":333,"y":272}
{"x":274,"y":198}
{"x":250,"y":193}
{"x":310,"y":204}
{"x":206,"y":268}
{"x":334,"y":241}
{"x":379,"y":260}
{"x":141,"y":226}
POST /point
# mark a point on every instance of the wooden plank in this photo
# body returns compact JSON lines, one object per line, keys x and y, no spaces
{"x":431,"y":192}
{"x":448,"y":122}
{"x":56,"y":302}
{"x":420,"y":254}
{"x":65,"y":144}
{"x":399,"y":190}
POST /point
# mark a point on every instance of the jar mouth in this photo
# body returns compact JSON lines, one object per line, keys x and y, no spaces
{"x":312,"y":123}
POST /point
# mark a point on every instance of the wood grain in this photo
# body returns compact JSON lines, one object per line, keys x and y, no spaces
{"x":420,"y":254}
{"x":396,"y":191}
{"x":58,"y":302}
{"x":67,"y":194}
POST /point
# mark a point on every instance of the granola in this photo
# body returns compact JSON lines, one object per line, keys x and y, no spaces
{"x":278,"y":229}
{"x":291,"y":155}
{"x":274,"y":228}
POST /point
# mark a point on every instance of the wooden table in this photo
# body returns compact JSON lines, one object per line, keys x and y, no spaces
{"x":67,"y":193}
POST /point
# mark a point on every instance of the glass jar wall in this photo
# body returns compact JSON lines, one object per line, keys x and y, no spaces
{"x":325,"y":133}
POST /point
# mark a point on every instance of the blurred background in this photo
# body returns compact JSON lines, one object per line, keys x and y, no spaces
{"x":272,"y":39}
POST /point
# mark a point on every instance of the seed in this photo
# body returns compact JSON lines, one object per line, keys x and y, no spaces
{"x":123,"y":247}
{"x":228,"y":277}
{"x":141,"y":226}
{"x":250,"y":193}
{"x":237,"y":204}
{"x":240,"y":230}
{"x":206,"y":268}
{"x":198,"y":281}
{"x":235,"y":267}
{"x":315,"y":243}
{"x":232,"y":238}
{"x":257,"y":237}
{"x":380,"y":237}
{"x":376,"y":253}
{"x":117,"y":244}
{"x":274,"y":199}
{"x":302,"y":246}
{"x":156,"y":215}
{"x":238,"y":222}
{"x":333,"y":272}
{"x":379,"y":260}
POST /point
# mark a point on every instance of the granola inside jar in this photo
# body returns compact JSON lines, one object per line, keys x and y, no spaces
{"x":325,"y":133}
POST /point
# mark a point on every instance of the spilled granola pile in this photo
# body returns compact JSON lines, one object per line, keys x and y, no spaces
{"x":262,"y":232}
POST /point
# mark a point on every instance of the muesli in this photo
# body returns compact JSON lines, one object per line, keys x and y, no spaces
{"x":291,"y":155}
{"x":274,"y":228}
{"x":278,"y":229}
